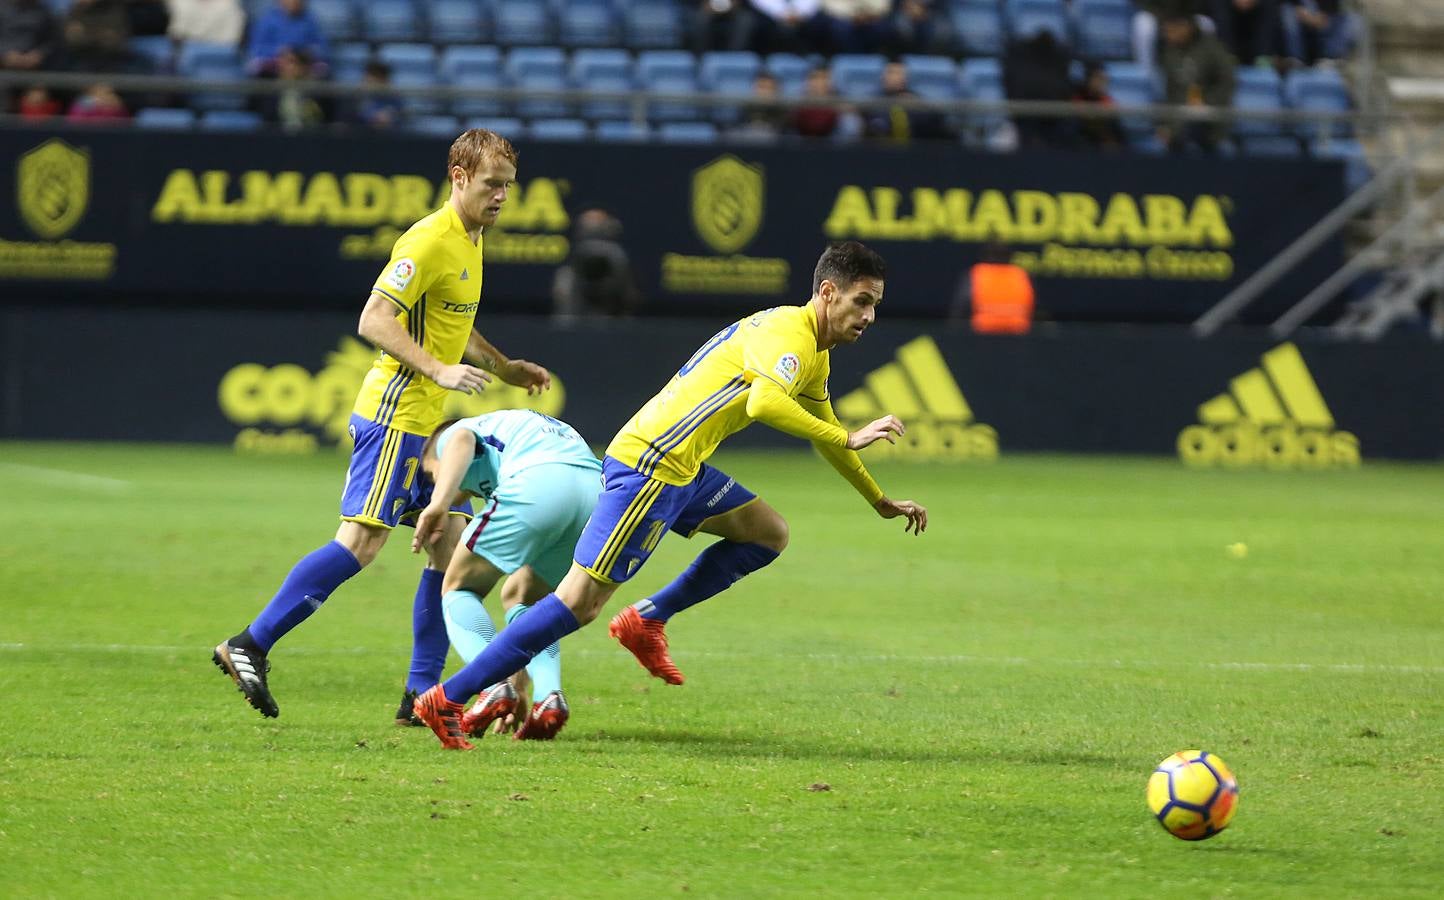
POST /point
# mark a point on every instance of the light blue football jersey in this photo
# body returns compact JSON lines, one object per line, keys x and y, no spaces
{"x":513,"y":440}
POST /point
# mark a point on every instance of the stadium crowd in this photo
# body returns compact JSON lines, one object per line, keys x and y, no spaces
{"x":850,"y":55}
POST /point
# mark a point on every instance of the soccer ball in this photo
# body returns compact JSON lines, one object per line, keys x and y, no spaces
{"x":1193,"y":794}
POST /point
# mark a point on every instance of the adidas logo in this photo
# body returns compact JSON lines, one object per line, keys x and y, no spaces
{"x":464,"y":276}
{"x":1272,"y":416}
{"x":919,"y":389}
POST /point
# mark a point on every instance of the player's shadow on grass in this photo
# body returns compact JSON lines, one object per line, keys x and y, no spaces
{"x":784,"y":746}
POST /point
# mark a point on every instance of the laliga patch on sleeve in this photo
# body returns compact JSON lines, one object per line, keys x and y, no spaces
{"x":401,"y":274}
{"x":787,"y":367}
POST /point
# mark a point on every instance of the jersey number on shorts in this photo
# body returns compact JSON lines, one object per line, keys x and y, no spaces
{"x":712,"y":343}
{"x":411,"y":462}
{"x":654,"y":536}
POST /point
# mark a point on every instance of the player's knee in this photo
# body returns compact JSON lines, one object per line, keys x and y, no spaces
{"x":364,"y":541}
{"x":773,"y":534}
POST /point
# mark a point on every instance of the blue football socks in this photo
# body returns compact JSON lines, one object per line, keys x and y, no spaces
{"x":545,"y":623}
{"x":467,"y":623}
{"x":545,"y":668}
{"x":428,"y":634}
{"x":307,"y":586}
{"x":714,"y":570}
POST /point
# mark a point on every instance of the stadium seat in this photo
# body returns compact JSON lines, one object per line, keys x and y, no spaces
{"x":392,"y":20}
{"x":979,"y":27}
{"x":687,"y":133}
{"x":1285,"y":145}
{"x":436,"y":126}
{"x":668,"y":72}
{"x":588,"y":23}
{"x":158,"y":53}
{"x":458,"y":22}
{"x":1026,"y":18}
{"x":408,"y":58}
{"x":212,"y":62}
{"x":1131,"y":84}
{"x":418,"y":77}
{"x":603,"y":70}
{"x":230,"y":120}
{"x":1104,"y":28}
{"x":728,"y":74}
{"x":982,"y":79}
{"x":652,"y":24}
{"x":473,"y":67}
{"x":337,"y":19}
{"x":1357,"y":170}
{"x":1318,"y":90}
{"x":790,"y":71}
{"x":160,"y":117}
{"x":348,"y":62}
{"x":559,"y":130}
{"x":511,"y":129}
{"x":623,"y":132}
{"x":541,"y":69}
{"x":1257,"y":89}
{"x":523,"y":23}
{"x":857,"y":75}
{"x":932,"y":77}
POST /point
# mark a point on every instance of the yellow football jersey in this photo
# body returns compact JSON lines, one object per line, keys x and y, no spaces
{"x":706,"y":401}
{"x":434,"y":280}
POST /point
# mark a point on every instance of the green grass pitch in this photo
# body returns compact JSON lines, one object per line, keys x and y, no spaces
{"x":975,"y":711}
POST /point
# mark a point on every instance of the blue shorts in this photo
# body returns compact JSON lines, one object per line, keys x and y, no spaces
{"x":534,"y":519}
{"x":634,"y":511}
{"x":384,"y":485}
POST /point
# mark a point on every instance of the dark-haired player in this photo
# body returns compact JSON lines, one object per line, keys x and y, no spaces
{"x":770,"y":367}
{"x":420,"y":314}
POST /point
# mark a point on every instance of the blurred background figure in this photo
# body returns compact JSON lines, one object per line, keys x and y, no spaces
{"x":1198,"y":72}
{"x":29,"y":35}
{"x":760,"y":119}
{"x":721,"y":25}
{"x":789,"y":26}
{"x":1151,"y":13}
{"x":1248,"y":28}
{"x":293,"y":108}
{"x":287,"y":24}
{"x":857,"y":26}
{"x":896,"y":123}
{"x":1036,"y":67}
{"x":995,"y":296}
{"x":1315,"y":30}
{"x":36,"y":104}
{"x":823,"y":121}
{"x":207,"y":21}
{"x":1102,"y":133}
{"x":380,"y":111}
{"x":597,"y":279}
{"x":97,"y":33}
{"x":98,"y":103}
{"x":920,"y":26}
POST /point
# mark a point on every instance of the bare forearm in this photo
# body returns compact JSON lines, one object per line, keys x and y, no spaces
{"x":460,"y":451}
{"x":380,"y":327}
{"x":483,"y":353}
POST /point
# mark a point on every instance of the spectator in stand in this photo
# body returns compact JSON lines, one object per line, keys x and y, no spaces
{"x":721,"y":25}
{"x":99,"y":103}
{"x":292,"y":108}
{"x":29,"y":38}
{"x":207,"y":21}
{"x":97,"y":35}
{"x":1151,"y":12}
{"x":822,"y":121}
{"x":1248,"y":28}
{"x":1036,"y":67}
{"x":789,"y":26}
{"x":857,"y":26}
{"x":148,"y":18}
{"x":597,"y":279}
{"x":919,"y":26}
{"x":897,"y":123}
{"x":381,"y":111}
{"x":1104,"y":133}
{"x":288,"y":24}
{"x":760,"y":118}
{"x":36,"y":103}
{"x":1318,"y":29}
{"x":1198,"y":72}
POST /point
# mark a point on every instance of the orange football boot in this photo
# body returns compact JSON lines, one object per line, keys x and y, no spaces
{"x":545,"y":719}
{"x":496,"y":702}
{"x":647,"y":640}
{"x":443,"y":717}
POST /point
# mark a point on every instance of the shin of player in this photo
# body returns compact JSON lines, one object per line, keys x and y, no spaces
{"x":771,"y":367}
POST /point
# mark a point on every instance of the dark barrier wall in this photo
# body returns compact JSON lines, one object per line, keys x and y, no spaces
{"x":191,"y":218}
{"x":285,"y":383}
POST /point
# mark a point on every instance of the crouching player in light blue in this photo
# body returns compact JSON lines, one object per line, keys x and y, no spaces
{"x":538,"y":482}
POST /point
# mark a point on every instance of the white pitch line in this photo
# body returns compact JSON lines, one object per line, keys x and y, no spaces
{"x":65,"y":478}
{"x":953,"y":659}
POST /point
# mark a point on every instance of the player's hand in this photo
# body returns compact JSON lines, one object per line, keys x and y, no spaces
{"x":429,"y":527}
{"x":461,"y":377}
{"x":916,"y":513}
{"x":887,"y":428}
{"x":525,"y":374}
{"x":521,"y":683}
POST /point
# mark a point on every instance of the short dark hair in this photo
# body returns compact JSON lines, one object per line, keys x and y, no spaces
{"x":843,"y":264}
{"x":428,"y":449}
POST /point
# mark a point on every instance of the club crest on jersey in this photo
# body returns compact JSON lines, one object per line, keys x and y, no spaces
{"x":401,"y":274}
{"x":787,"y":367}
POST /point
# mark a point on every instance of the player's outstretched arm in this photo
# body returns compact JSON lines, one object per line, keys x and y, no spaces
{"x":380,"y":326}
{"x":460,"y":451}
{"x":916,"y":513}
{"x":517,"y":372}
